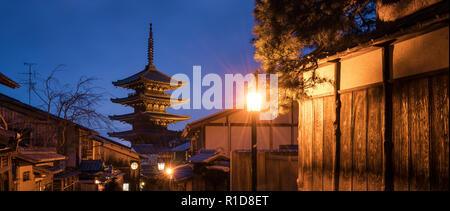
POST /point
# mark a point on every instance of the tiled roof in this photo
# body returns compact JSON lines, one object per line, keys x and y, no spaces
{"x":91,"y":165}
{"x":183,"y":172}
{"x":40,"y":157}
{"x":67,"y":174}
{"x":149,"y":73}
{"x":151,"y":115}
{"x":150,"y":149}
{"x":129,"y":133}
{"x":8,"y":82}
{"x":182,"y":147}
{"x":206,"y":156}
{"x":104,"y":139}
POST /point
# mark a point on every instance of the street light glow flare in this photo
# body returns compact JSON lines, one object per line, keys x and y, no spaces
{"x":254,"y":101}
{"x":169,"y":171}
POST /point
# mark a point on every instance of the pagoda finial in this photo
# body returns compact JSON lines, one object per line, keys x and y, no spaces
{"x":150,"y":47}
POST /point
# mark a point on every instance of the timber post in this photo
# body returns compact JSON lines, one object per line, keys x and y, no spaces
{"x":387,"y":60}
{"x":337,"y":122}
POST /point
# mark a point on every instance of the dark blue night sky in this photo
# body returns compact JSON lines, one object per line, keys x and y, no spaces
{"x":108,"y":40}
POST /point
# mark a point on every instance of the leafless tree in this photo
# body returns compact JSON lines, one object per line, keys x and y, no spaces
{"x":70,"y":103}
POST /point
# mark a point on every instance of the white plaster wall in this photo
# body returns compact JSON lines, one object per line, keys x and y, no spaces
{"x":361,"y":70}
{"x":240,"y":138}
{"x":325,"y":72}
{"x":216,"y":138}
{"x":263,"y":136}
{"x":421,"y":54}
{"x":282,"y":136}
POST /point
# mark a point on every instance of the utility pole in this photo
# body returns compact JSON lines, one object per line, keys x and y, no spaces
{"x":29,"y":83}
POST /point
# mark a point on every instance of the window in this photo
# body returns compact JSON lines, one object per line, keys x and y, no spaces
{"x":26,"y":176}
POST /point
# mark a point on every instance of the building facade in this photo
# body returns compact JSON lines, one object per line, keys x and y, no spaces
{"x":384,"y":125}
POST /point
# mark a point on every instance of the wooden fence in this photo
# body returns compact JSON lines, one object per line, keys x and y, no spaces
{"x":420,"y":142}
{"x":277,"y":170}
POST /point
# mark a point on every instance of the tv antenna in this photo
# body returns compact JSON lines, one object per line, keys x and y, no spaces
{"x":29,"y":83}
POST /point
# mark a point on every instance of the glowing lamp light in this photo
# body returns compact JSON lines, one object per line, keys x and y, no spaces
{"x":97,"y":182}
{"x":126,"y":187}
{"x":169,"y":171}
{"x":134,"y":165}
{"x":254,"y":101}
{"x":161,"y":166}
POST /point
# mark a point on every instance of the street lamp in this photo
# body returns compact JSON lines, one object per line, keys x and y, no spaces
{"x":254,"y":106}
{"x":134,"y":166}
{"x":161,"y":166}
{"x":169,"y":172}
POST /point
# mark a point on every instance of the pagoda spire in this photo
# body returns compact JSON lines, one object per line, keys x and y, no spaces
{"x":150,"y":48}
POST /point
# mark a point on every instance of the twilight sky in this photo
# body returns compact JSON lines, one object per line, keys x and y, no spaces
{"x":108,"y":40}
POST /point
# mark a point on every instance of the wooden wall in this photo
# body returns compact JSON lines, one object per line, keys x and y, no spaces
{"x":420,"y":138}
{"x":420,"y":134}
{"x":277,"y":171}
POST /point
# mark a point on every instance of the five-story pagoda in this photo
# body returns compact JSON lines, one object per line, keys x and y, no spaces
{"x":149,"y":100}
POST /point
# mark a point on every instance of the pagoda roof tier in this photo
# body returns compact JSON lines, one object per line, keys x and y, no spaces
{"x":132,"y":133}
{"x":138,"y":98}
{"x":150,"y":115}
{"x":148,"y":76}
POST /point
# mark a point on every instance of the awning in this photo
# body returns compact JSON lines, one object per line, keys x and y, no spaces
{"x":40,"y":157}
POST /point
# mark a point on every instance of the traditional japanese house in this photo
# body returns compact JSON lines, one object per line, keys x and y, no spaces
{"x":35,"y":168}
{"x":6,"y":173}
{"x":228,"y":133}
{"x":8,"y":82}
{"x":384,"y":125}
{"x":118,"y":156}
{"x":39,"y":129}
{"x":149,"y":120}
{"x":206,"y":171}
{"x":230,"y":130}
{"x":97,"y":176}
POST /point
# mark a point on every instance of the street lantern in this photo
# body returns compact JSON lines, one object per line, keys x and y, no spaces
{"x":161,"y":166}
{"x":169,"y":171}
{"x":254,"y":106}
{"x":134,"y":165}
{"x":254,"y":102}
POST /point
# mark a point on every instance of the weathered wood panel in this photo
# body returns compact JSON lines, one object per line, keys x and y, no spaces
{"x":400,"y":137}
{"x":329,"y":147}
{"x":345,"y":174}
{"x":241,"y":164}
{"x":419,"y":136}
{"x":359,"y":140}
{"x":375,"y":150}
{"x":305,"y":145}
{"x":276,"y":171}
{"x":317,"y":145}
{"x":419,"y":131}
{"x":439,"y":134}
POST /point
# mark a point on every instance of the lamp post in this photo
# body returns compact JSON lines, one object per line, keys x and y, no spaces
{"x":254,"y":106}
{"x":134,"y":167}
{"x":169,"y":172}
